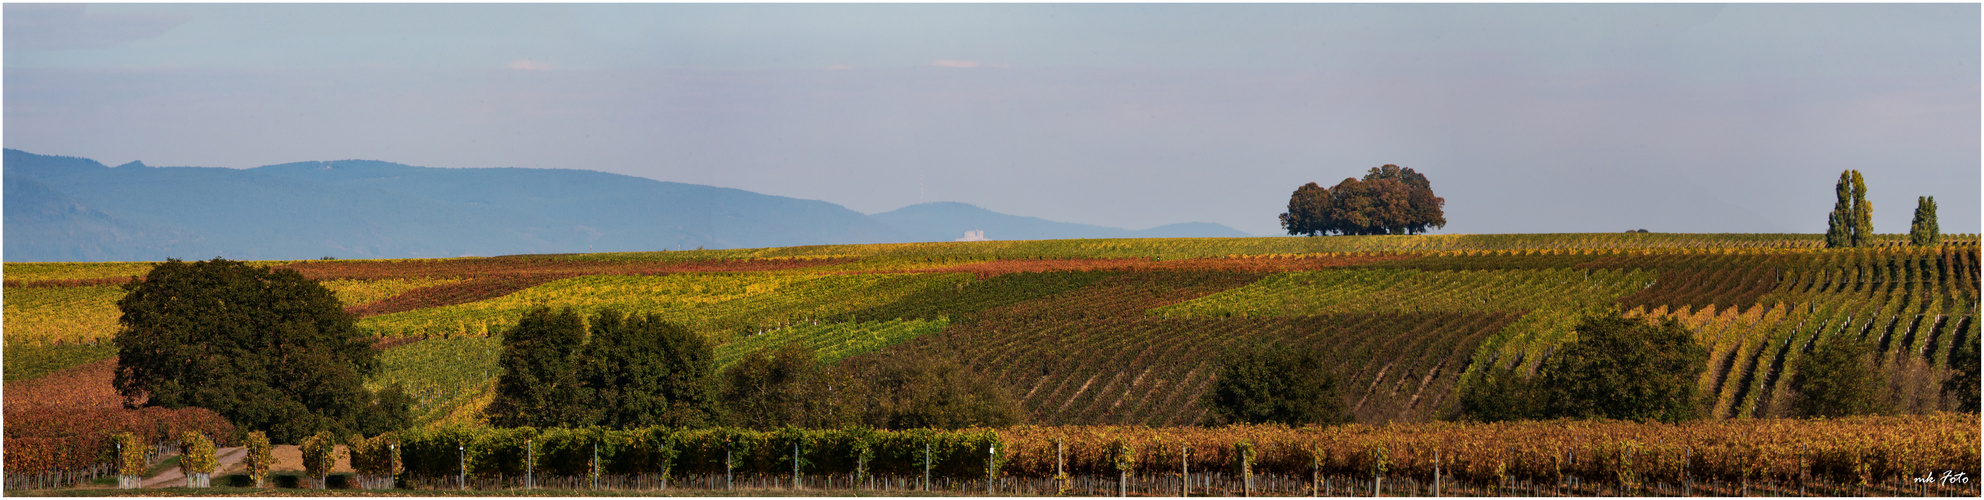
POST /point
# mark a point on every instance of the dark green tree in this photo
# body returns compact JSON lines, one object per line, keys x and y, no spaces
{"x":539,"y":384}
{"x":1277,"y":385}
{"x":1863,"y":213}
{"x":269,"y":350}
{"x":1624,"y":369}
{"x":1961,"y":388}
{"x":900,"y":391}
{"x":1851,"y":222}
{"x":640,"y":371}
{"x":1839,"y":222}
{"x":783,"y":386}
{"x":1922,"y":230}
{"x":620,"y":371}
{"x":1837,"y":379}
{"x":1498,"y":395}
{"x":391,"y":409}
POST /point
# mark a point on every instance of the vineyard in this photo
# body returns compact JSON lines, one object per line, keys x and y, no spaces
{"x":1886,"y":456}
{"x":1129,"y":333}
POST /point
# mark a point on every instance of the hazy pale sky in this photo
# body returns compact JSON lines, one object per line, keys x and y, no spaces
{"x":1527,"y":118}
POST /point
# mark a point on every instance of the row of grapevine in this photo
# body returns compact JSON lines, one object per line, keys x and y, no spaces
{"x":1152,"y":371}
{"x":1752,"y":349}
{"x":518,"y":452}
{"x":1402,"y":290}
{"x":767,"y":259}
{"x":831,"y":342}
{"x":440,"y":374}
{"x":61,"y":316}
{"x":20,"y":273}
{"x":1128,"y":294}
{"x":1703,"y":287}
{"x":1186,"y":248}
{"x":43,"y":439}
{"x":481,"y":267}
{"x":989,"y":266}
{"x":715,"y":303}
{"x":356,"y":294}
{"x":966,"y":298}
{"x":1861,"y":451}
{"x":453,"y":291}
{"x":28,"y":361}
{"x":88,"y":314}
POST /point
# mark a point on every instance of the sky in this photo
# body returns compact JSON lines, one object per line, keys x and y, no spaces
{"x":1533,"y":118}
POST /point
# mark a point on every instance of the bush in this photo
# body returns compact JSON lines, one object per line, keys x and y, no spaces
{"x":1277,"y":385}
{"x":1618,"y":368}
{"x":1624,"y":369}
{"x":196,"y":454}
{"x":782,"y":385}
{"x":899,"y":391}
{"x":1837,"y":379}
{"x":1961,"y":387}
{"x":258,"y":460}
{"x":1499,"y":395}
{"x":320,"y":454}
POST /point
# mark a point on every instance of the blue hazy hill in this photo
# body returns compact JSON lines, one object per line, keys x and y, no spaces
{"x":74,"y":209}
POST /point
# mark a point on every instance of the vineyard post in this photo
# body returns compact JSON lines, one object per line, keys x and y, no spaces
{"x":1060,"y":475}
{"x":1246,"y":469}
{"x":530,"y":464}
{"x":795,"y":464}
{"x":1184,"y":467}
{"x":727,"y":482}
{"x":1436,"y":473}
{"x":392,"y":473}
{"x":1315,"y":472}
{"x":595,"y":465}
{"x":991,"y":474}
{"x":1378,"y":478}
{"x":461,"y":454}
{"x":1801,"y":468}
{"x":1687,"y":485}
{"x":926,"y":465}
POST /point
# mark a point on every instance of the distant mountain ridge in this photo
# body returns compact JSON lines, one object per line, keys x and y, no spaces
{"x":74,"y":209}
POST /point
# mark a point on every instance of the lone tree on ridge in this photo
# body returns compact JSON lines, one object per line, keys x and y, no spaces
{"x":1388,"y":200}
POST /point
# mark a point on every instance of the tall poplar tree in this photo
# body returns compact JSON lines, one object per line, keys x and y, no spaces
{"x":1863,"y":213}
{"x":1922,"y":230}
{"x":1839,"y":222}
{"x":1851,"y":222}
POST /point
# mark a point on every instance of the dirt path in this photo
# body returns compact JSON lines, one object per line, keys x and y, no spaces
{"x":172,"y":477}
{"x":283,"y":458}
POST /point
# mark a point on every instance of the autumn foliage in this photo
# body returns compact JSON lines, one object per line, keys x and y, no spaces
{"x":1389,"y":200}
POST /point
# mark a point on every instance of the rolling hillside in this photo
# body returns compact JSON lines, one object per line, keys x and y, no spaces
{"x":1130,"y":331}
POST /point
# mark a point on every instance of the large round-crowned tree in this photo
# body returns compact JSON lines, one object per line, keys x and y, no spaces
{"x":1388,"y":200}
{"x":269,"y":350}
